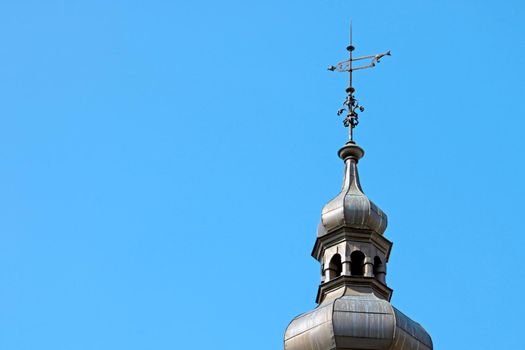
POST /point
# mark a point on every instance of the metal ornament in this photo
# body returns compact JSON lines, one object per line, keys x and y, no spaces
{"x":350,"y":104}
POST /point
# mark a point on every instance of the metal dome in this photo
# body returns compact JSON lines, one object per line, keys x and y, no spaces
{"x":356,"y":322}
{"x":351,"y":208}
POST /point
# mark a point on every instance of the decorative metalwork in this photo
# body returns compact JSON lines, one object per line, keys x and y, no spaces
{"x":346,"y":66}
{"x":350,"y":104}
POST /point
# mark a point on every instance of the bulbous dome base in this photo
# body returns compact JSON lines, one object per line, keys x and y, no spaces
{"x":361,"y":321}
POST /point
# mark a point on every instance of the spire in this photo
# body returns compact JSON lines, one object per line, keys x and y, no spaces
{"x":351,"y":208}
{"x":354,"y":310}
{"x":350,"y":104}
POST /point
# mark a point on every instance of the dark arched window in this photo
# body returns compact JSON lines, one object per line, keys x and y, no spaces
{"x":357,"y":260}
{"x":378,"y":266}
{"x":335,"y":268}
{"x":379,"y":270}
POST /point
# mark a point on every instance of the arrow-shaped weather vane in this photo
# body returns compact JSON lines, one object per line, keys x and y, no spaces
{"x":350,"y":104}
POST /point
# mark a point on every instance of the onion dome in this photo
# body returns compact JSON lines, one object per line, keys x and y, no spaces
{"x":351,"y":208}
{"x":356,"y":322}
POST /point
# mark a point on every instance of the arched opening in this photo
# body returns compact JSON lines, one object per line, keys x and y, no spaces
{"x":379,"y":270}
{"x":357,"y":260}
{"x":378,"y":266}
{"x":335,"y":268}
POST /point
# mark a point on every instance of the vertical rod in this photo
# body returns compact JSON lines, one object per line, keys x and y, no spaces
{"x":350,"y":50}
{"x":350,"y":54}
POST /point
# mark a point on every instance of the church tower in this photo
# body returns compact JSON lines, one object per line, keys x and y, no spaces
{"x":354,"y":310}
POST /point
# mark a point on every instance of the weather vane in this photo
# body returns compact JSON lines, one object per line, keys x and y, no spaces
{"x":350,"y":104}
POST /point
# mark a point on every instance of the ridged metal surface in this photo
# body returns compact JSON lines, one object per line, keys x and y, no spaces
{"x":351,"y":207}
{"x":356,"y":322}
{"x":410,"y":335}
{"x":312,"y":330}
{"x":363,"y":323}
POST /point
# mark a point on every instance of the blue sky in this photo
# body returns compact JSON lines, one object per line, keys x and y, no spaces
{"x":164,"y":164}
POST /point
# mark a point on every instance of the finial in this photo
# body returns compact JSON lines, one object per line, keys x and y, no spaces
{"x":350,"y":104}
